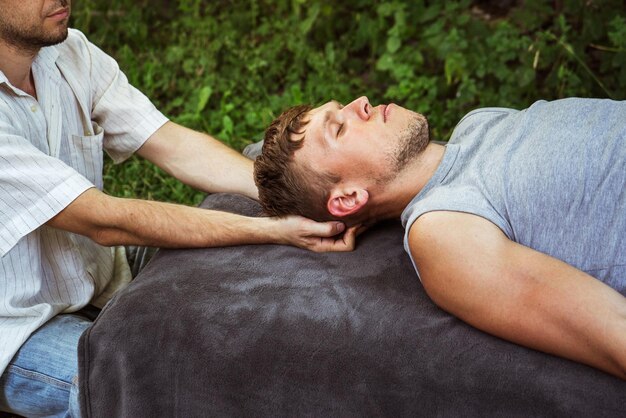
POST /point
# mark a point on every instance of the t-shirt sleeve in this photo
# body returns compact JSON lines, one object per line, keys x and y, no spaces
{"x":451,"y":199}
{"x":34,"y":187}
{"x":126,"y":114}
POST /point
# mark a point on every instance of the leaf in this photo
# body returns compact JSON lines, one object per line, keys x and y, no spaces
{"x":430,"y":13}
{"x":307,"y":23}
{"x":296,"y":92}
{"x":386,"y":9}
{"x":329,"y":51}
{"x":203,"y":98}
{"x":228,"y":124}
{"x":617,"y":34}
{"x":393,"y":44}
{"x":385,"y":62}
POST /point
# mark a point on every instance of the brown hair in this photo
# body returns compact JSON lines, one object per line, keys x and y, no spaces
{"x":286,"y":187}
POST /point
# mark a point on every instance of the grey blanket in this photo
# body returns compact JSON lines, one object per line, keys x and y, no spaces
{"x":275,"y":331}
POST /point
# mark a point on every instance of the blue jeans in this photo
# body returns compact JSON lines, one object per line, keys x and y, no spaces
{"x":42,"y":378}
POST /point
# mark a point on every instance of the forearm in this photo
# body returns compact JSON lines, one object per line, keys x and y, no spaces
{"x":116,"y":221}
{"x":159,"y":224}
{"x":200,"y":161}
{"x":587,"y":325}
{"x":616,"y":340}
{"x":560,"y":310}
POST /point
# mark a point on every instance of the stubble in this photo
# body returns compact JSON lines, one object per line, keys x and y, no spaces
{"x":413,"y":140}
{"x":30,"y":36}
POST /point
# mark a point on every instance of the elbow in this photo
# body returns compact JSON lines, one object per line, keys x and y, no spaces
{"x":617,"y":354}
{"x":621,"y":364}
{"x":617,"y":367}
{"x":621,"y":349}
{"x":104,"y":236}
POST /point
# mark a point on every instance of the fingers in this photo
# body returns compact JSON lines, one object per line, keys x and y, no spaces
{"x":326,"y":229}
{"x":343,"y":243}
{"x":361,"y":228}
{"x":349,"y":238}
{"x":320,"y":236}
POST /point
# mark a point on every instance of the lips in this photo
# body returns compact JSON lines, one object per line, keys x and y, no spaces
{"x":386,"y":112}
{"x":60,"y":13}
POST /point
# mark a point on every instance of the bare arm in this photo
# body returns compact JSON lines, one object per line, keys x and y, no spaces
{"x":472,"y":270}
{"x":199,"y":160}
{"x":115,"y":221}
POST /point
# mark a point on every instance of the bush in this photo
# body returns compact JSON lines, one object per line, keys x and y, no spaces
{"x":229,"y":67}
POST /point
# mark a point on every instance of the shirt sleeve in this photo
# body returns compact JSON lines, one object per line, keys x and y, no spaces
{"x":126,"y":114}
{"x":34,"y":187}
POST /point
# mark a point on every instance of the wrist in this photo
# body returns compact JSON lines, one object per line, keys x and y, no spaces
{"x":267,"y":230}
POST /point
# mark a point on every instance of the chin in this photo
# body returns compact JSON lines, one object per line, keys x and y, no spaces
{"x":56,"y":38}
{"x":422,"y":122}
{"x":411,"y":142}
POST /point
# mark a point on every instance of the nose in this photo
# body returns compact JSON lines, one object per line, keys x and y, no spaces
{"x":361,"y":107}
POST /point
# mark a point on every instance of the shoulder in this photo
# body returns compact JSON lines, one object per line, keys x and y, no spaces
{"x":77,"y":52}
{"x":454,"y":247}
{"x":457,"y":198}
{"x":489,"y":112}
{"x":75,"y":46}
{"x":84,"y":62}
{"x":479,"y":118}
{"x":446,"y":227}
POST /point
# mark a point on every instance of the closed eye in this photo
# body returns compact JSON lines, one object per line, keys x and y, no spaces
{"x":340,"y":130}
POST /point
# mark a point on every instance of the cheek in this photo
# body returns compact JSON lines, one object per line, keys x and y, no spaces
{"x":367,"y":159}
{"x":20,"y":18}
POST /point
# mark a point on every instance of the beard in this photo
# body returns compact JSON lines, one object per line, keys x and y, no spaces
{"x":29,"y":36}
{"x":412,"y":141}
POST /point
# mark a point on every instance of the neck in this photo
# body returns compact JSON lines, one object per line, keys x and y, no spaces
{"x":16,"y":65}
{"x":395,"y":196}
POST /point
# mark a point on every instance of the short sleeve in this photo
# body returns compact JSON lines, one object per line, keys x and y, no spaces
{"x":126,"y":114}
{"x":34,"y":187}
{"x":464,"y":199}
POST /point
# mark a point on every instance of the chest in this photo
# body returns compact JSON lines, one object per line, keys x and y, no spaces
{"x":58,"y":124}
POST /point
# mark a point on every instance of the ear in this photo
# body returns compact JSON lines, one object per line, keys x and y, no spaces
{"x":343,"y":203}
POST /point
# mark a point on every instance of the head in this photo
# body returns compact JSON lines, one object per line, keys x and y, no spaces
{"x":33,"y":24}
{"x":331,"y":162}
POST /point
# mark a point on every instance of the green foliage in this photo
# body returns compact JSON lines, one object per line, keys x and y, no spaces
{"x":228,"y":67}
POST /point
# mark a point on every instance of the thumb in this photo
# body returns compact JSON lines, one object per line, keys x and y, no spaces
{"x":326,"y":229}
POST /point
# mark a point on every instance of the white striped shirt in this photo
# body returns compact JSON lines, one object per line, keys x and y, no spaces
{"x":51,"y":151}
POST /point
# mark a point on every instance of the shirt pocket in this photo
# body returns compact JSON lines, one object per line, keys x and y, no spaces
{"x":87,"y":155}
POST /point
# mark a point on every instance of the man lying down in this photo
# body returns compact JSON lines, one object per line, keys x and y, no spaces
{"x":517,"y":226}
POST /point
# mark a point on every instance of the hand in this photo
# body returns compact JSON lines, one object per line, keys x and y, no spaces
{"x":316,"y":236}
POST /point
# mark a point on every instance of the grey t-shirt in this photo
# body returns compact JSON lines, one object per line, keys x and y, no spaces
{"x":552,"y":177}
